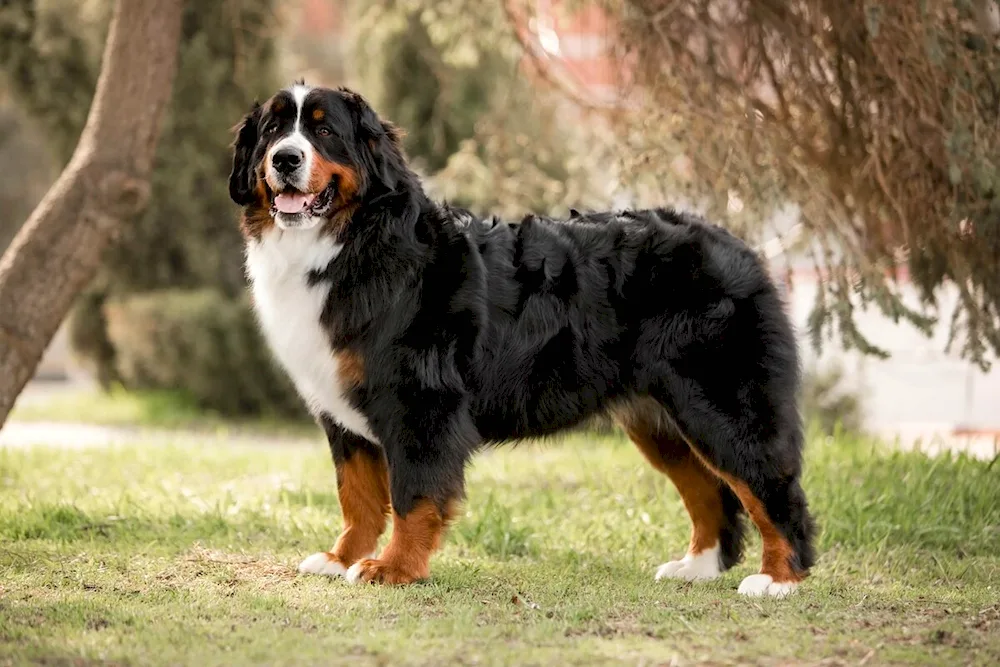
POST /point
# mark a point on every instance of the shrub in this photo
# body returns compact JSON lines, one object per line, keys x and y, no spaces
{"x":26,"y":167}
{"x":202,"y":343}
{"x":828,"y":403}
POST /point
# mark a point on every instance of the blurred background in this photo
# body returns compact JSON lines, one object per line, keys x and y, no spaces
{"x":542,"y":105}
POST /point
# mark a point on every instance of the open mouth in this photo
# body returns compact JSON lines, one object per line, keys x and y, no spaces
{"x":294,"y":203}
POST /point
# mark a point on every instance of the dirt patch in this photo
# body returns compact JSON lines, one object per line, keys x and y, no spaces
{"x":234,"y":569}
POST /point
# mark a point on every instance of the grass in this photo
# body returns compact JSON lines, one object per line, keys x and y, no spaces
{"x":186,"y":554}
{"x":151,"y":409}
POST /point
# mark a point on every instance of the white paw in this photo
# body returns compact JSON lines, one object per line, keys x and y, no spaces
{"x":704,"y":565}
{"x":757,"y":585}
{"x":353,"y":574}
{"x":321,"y":563}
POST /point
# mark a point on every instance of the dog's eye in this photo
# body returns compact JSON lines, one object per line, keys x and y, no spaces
{"x":270,"y":129}
{"x":323,"y":132}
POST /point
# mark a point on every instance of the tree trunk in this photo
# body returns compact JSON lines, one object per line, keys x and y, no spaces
{"x":105,"y":184}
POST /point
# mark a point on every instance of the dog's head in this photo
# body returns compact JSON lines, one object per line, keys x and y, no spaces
{"x":310,"y":154}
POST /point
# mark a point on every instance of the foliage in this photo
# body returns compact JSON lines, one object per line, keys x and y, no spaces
{"x":50,"y":55}
{"x":828,"y":404}
{"x":877,"y":118}
{"x":449,"y":73}
{"x":188,"y":236}
{"x":49,"y":60}
{"x":27,"y":171}
{"x":473,"y":125}
{"x":203,"y":343}
{"x":124,"y":554}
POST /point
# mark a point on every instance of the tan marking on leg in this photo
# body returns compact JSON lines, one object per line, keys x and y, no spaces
{"x":363,"y":487}
{"x":407,"y":556}
{"x":256,"y":219}
{"x":696,"y":484}
{"x":777,"y":551}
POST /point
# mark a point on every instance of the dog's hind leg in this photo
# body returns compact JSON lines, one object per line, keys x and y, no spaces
{"x":778,"y":508}
{"x":763,"y":472}
{"x":716,"y":524}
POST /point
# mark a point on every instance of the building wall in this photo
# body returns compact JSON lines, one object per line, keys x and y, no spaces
{"x":920,"y":388}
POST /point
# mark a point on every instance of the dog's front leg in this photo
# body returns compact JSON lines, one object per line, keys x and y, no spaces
{"x":363,"y":488}
{"x":426,"y":451}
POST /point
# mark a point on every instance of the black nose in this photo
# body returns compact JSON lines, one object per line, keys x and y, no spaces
{"x":287,"y":160}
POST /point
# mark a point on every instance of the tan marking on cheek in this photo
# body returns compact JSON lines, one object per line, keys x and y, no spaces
{"x":255,"y":222}
{"x":257,"y":218}
{"x":323,"y":172}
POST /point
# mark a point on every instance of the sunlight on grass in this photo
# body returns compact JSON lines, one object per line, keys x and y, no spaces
{"x":148,"y":409}
{"x":187,"y":553}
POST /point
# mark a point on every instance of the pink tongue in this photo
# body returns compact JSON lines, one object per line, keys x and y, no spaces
{"x":292,"y":202}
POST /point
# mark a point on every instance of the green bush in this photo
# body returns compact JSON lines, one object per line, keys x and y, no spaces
{"x":26,"y":167}
{"x":203,"y":344}
{"x":828,"y":404}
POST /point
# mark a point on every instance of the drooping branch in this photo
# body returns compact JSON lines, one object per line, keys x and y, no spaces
{"x":877,"y":118}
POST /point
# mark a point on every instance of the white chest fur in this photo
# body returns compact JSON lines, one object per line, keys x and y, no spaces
{"x":289,"y":310}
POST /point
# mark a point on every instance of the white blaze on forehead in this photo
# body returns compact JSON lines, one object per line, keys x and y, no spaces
{"x":295,"y":139}
{"x":299,"y":92}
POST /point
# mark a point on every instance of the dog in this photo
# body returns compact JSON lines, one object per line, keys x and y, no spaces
{"x":418,"y":333}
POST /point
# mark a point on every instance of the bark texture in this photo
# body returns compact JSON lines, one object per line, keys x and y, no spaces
{"x":105,"y":184}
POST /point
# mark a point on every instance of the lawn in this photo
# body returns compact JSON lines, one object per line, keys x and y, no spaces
{"x":186,"y":554}
{"x":147,"y":409}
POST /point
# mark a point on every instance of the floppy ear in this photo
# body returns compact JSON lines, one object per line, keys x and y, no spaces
{"x":241,"y":184}
{"x":378,"y":140}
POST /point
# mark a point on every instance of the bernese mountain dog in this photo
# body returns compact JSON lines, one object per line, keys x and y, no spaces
{"x":418,"y":333}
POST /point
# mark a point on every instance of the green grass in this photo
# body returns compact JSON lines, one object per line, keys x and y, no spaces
{"x":159,"y":409}
{"x":186,"y":555}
